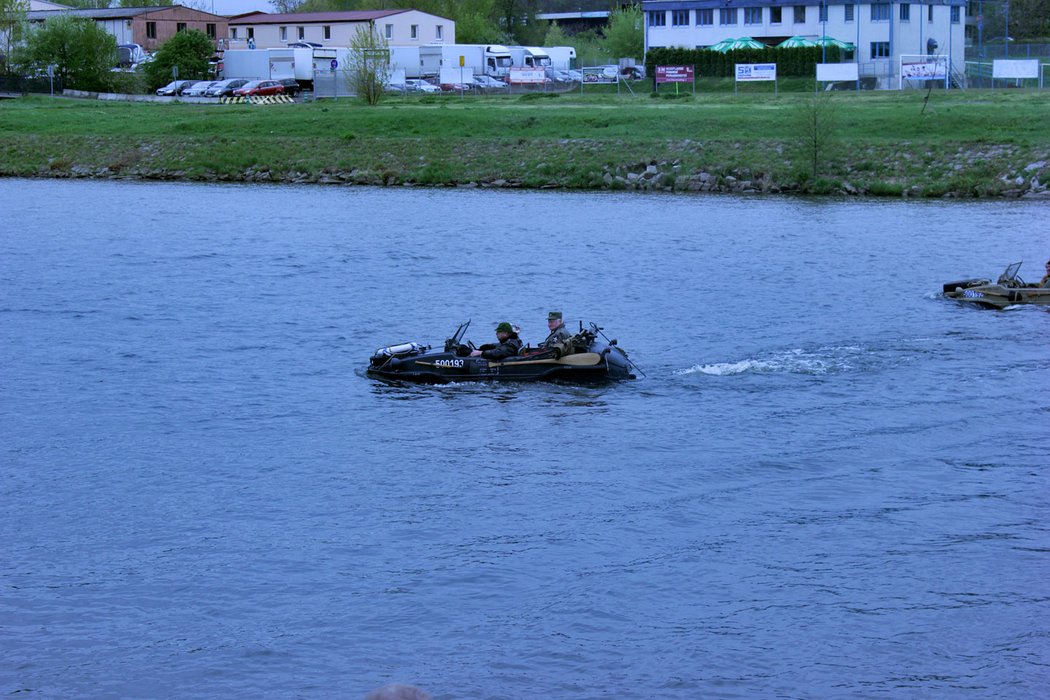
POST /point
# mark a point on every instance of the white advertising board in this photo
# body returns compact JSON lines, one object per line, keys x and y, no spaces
{"x":455,"y":76}
{"x":527,"y":75}
{"x":756,"y":71}
{"x":1015,"y":69}
{"x":836,"y":72}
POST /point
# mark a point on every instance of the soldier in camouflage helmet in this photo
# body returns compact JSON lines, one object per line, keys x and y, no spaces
{"x":559,"y":334}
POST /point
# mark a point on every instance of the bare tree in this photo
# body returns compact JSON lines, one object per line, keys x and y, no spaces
{"x":816,"y":121}
{"x":368,"y":66}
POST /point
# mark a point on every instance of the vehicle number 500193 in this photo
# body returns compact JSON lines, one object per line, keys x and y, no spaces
{"x":449,"y":363}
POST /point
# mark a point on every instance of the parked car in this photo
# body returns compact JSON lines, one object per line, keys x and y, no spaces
{"x":197,"y":89}
{"x":558,"y":76}
{"x":304,"y":45}
{"x":487,"y":82}
{"x":174,"y":87}
{"x":260,"y":87}
{"x":636,"y":72}
{"x":459,"y":87}
{"x":223,"y":87}
{"x":420,"y":85}
{"x":227,"y":89}
{"x":291,"y":86}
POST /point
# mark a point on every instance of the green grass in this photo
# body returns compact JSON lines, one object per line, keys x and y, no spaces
{"x":882,"y":141}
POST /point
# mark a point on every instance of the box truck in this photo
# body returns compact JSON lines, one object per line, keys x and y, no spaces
{"x":529,"y":57}
{"x":487,"y":59}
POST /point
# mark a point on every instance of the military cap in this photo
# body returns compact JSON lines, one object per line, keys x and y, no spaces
{"x":554,"y":316}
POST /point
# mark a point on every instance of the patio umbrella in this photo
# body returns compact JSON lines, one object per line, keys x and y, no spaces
{"x":831,"y":41}
{"x":744,"y":42}
{"x":796,"y":42}
{"x":720,"y":46}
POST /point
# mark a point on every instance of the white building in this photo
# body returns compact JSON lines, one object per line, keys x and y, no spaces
{"x":881,"y":31}
{"x":398,"y":27}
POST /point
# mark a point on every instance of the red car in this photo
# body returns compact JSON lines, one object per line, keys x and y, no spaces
{"x":260,"y":87}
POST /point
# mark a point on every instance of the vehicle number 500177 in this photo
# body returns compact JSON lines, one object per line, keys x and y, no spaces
{"x":449,"y":363}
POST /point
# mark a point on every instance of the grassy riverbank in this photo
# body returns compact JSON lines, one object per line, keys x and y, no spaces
{"x":972,"y":143}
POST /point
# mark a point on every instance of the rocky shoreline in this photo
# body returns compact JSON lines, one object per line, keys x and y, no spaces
{"x":1001,"y":171}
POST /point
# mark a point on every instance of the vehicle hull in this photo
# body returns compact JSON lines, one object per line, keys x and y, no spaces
{"x":995,"y":296}
{"x":601,"y":363}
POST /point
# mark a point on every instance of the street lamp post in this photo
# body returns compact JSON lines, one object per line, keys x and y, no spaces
{"x":824,"y":31}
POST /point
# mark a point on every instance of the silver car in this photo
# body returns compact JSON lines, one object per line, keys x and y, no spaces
{"x":198,"y":89}
{"x":420,"y":85}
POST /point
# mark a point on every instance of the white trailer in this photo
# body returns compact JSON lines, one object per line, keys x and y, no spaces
{"x":487,"y":59}
{"x":405,"y":58}
{"x":260,"y":64}
{"x":562,"y":57}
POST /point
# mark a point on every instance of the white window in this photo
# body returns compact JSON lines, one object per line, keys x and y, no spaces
{"x":327,"y":31}
{"x":880,"y":12}
{"x":415,"y":31}
{"x":847,"y":13}
{"x":302,"y":33}
{"x":752,"y":15}
{"x":658,"y":19}
{"x":705,"y":18}
{"x":438,"y":32}
{"x":727,"y":16}
{"x":800,"y":14}
{"x":929,"y":14}
{"x":233,"y":32}
{"x":905,"y":12}
{"x":388,"y":31}
{"x":880,"y":49}
{"x":776,"y":15}
{"x":284,"y":33}
{"x":955,"y":14}
{"x":679,"y":18}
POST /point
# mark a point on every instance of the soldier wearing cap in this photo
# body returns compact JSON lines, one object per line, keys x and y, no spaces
{"x":559,"y":333}
{"x":508,"y":346}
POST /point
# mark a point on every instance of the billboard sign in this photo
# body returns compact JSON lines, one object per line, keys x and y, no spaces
{"x":836,"y":72}
{"x":528,"y":76}
{"x":1015,"y":69}
{"x":933,"y":68}
{"x":674,"y":74}
{"x":747,"y":72}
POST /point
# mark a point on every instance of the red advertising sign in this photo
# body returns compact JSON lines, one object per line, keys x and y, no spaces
{"x":674,"y":74}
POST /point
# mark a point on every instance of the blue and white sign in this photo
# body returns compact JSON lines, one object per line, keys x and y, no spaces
{"x":756,"y":71}
{"x":335,"y":64}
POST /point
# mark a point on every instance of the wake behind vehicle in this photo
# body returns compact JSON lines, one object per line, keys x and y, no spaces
{"x":583,"y":359}
{"x":1008,"y":290}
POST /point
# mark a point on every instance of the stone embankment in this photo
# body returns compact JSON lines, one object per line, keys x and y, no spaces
{"x":901,"y":170}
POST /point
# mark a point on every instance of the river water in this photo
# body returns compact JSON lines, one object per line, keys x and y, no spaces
{"x":829,"y":483}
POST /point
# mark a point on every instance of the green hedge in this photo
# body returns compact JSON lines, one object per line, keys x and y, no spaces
{"x":797,"y":63}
